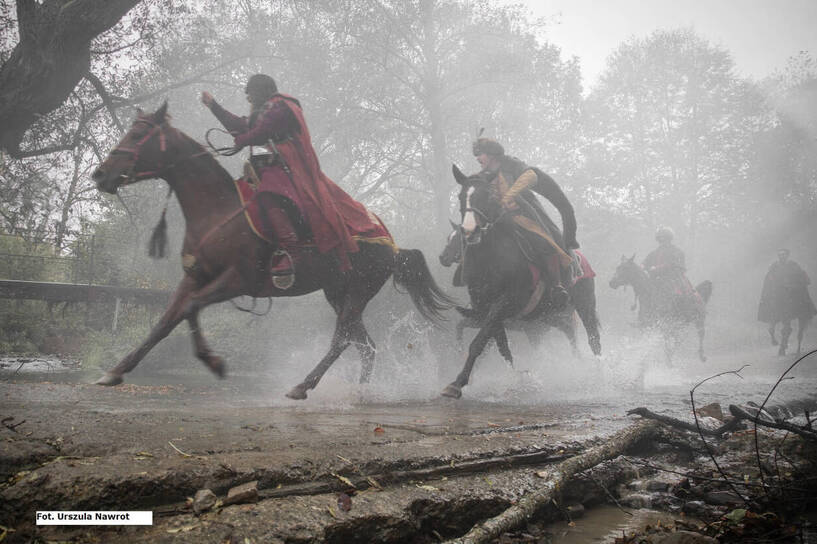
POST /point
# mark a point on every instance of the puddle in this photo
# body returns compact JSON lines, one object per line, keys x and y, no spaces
{"x":27,"y":364}
{"x":603,"y":524}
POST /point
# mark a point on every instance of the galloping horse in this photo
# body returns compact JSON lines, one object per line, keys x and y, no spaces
{"x":501,"y":282}
{"x":223,"y":258}
{"x":582,"y":295}
{"x":666,"y":312}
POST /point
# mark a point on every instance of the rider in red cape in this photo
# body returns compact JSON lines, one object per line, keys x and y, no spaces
{"x":292,"y":171}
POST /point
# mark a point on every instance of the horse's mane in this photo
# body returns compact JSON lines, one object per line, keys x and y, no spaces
{"x":196,"y":147}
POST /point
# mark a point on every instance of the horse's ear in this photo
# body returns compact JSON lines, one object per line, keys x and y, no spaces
{"x":140,"y":112}
{"x":161,"y":114}
{"x":458,"y":175}
{"x":632,"y":259}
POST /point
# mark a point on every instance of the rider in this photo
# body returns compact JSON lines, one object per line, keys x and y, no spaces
{"x":291,"y":185}
{"x":666,"y":266}
{"x":785,"y":291}
{"x":513,"y":181}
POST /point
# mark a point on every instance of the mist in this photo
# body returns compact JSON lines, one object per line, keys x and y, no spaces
{"x":668,"y":134}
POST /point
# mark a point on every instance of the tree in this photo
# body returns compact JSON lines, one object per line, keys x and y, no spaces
{"x":669,"y":132}
{"x":52,"y":55}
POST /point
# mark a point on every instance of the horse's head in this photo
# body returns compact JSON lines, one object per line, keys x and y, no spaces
{"x":626,"y":272}
{"x":478,"y":207}
{"x":453,"y":247}
{"x":138,"y":155}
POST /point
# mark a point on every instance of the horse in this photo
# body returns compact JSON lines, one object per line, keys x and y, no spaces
{"x":782,"y":302}
{"x":223,"y":258}
{"x":502,"y":283}
{"x":582,"y":294}
{"x":656,"y":311}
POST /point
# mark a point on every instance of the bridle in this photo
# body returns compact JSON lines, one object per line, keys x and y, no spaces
{"x":130,"y":176}
{"x":476,"y":236}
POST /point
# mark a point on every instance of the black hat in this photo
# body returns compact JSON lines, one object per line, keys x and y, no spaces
{"x":260,"y":88}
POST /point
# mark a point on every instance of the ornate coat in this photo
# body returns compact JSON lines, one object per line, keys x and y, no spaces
{"x":334,"y":216}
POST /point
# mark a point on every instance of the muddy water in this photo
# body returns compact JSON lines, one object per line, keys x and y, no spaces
{"x":604,"y":524}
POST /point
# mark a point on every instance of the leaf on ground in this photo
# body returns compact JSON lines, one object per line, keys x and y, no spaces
{"x":344,"y":502}
{"x":331,"y":512}
{"x":374,"y":483}
{"x":182,"y":529}
{"x":428,"y":487}
{"x":344,"y":479}
{"x":542,"y":474}
{"x":379,"y":430}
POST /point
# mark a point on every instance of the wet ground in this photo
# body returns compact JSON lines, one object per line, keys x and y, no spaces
{"x":151,"y":443}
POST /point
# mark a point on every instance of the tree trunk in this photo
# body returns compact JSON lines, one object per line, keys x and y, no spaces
{"x":519,"y":513}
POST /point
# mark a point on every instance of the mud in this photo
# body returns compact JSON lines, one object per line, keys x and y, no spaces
{"x":76,"y":446}
{"x":417,"y":471}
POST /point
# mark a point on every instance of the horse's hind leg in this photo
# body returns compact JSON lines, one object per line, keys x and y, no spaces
{"x":366,"y":347}
{"x":213,"y":362}
{"x":585,"y":303}
{"x":568,"y":327}
{"x":771,"y":333}
{"x":501,"y":337}
{"x":701,"y":334}
{"x":785,"y":333}
{"x":172,"y":317}
{"x":803,"y":324}
{"x":348,"y":312}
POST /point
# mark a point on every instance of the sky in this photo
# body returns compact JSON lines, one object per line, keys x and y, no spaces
{"x":761,"y":34}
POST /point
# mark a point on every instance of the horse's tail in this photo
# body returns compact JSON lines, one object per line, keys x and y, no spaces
{"x":412,"y":273}
{"x":705,"y":290}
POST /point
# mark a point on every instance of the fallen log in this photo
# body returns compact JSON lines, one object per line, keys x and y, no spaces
{"x":729,"y":426}
{"x":519,"y":513}
{"x":741,"y":413}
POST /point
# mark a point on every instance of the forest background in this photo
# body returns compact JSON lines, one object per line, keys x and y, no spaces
{"x":394,"y":93}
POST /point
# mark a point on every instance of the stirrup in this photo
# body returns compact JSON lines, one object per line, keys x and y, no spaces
{"x":286,"y":279}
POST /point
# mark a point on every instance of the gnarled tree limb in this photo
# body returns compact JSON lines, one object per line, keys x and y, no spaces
{"x":561,"y":473}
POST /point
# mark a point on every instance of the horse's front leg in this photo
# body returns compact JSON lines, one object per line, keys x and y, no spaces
{"x":501,"y":337}
{"x":224,"y":287}
{"x":172,"y":316}
{"x":489,"y":327}
{"x":772,"y":333}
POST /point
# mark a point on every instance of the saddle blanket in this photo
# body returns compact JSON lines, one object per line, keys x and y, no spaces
{"x":374,"y":233}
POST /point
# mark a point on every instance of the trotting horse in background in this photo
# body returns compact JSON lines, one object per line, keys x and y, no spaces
{"x":664,"y":310}
{"x":502,"y":283}
{"x":582,"y":295}
{"x":223,"y":258}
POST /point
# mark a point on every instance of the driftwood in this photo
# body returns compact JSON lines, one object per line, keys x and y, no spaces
{"x":517,"y":514}
{"x":740,"y":414}
{"x":729,"y":426}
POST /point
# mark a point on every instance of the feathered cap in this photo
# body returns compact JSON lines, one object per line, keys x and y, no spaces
{"x":487,"y":146}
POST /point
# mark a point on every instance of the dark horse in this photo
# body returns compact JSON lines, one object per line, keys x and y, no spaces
{"x":658,"y":310}
{"x":582,"y":295}
{"x":501,"y":281}
{"x":783,"y":299}
{"x":223,"y":258}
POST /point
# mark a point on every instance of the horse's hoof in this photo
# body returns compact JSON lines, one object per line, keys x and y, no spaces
{"x":452,"y":391}
{"x":218,"y":366}
{"x":297,"y":393}
{"x":109,"y":379}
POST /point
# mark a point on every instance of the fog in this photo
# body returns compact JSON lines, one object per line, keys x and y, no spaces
{"x":667,"y":131}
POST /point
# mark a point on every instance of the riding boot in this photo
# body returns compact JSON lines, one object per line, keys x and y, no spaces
{"x":282,"y":268}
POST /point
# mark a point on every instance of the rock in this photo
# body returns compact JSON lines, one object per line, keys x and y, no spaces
{"x":242,"y":493}
{"x":711,"y":410}
{"x":695,"y":508}
{"x":637,"y":500}
{"x":656,"y":485}
{"x":722,"y":498}
{"x":685,"y":537}
{"x":575,"y":511}
{"x":203,"y":501}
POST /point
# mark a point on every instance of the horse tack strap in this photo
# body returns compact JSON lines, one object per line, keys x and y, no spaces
{"x":535,"y":298}
{"x":538,"y":291}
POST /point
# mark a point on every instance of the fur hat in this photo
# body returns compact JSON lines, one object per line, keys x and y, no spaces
{"x":488,"y":146}
{"x":260,"y":88}
{"x":664,"y":233}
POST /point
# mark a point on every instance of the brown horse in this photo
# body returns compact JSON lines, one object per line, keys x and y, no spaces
{"x":222,"y":257}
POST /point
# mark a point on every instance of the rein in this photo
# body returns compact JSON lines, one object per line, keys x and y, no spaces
{"x":131,"y":177}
